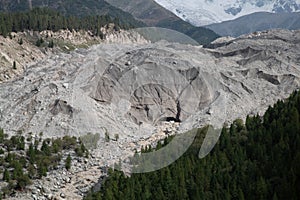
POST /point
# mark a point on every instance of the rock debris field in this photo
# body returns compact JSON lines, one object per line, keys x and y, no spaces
{"x":135,"y":91}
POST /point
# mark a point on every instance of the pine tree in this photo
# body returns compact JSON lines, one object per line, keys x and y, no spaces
{"x":68,"y":162}
{"x":6,"y":175}
{"x":31,"y":154}
{"x":18,"y":170}
{"x":45,"y":148}
{"x":38,"y":43}
{"x":23,"y":181}
{"x":2,"y":135}
{"x":31,"y":171}
{"x":42,"y":170}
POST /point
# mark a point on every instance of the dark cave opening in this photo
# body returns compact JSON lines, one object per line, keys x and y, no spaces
{"x":169,"y":119}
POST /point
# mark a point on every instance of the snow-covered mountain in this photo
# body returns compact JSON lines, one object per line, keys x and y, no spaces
{"x":204,"y":12}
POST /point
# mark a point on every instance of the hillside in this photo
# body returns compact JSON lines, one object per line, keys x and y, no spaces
{"x":72,"y":7}
{"x":256,"y":160}
{"x":96,"y":105}
{"x":39,"y":19}
{"x":29,"y":36}
{"x":126,"y":93}
{"x":144,"y":11}
{"x":239,"y":68}
{"x":153,"y":14}
{"x":257,"y":22}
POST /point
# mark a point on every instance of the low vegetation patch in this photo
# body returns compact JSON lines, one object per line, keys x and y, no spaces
{"x":25,"y":159}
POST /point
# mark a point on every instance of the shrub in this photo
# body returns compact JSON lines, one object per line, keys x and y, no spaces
{"x":51,"y":44}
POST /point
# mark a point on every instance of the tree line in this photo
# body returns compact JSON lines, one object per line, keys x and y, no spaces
{"x":258,"y":159}
{"x":40,"y":19}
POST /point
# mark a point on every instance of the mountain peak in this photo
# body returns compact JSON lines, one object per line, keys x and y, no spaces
{"x":204,"y":12}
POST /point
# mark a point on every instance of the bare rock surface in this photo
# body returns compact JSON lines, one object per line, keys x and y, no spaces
{"x":19,"y":50}
{"x":128,"y":89}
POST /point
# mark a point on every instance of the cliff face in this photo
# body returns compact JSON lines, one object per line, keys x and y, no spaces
{"x":130,"y":88}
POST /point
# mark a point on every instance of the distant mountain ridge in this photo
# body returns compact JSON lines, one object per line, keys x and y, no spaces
{"x":153,"y":14}
{"x":205,"y":12}
{"x":257,"y":22}
{"x":135,"y":12}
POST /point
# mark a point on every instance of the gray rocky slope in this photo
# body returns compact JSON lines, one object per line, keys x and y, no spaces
{"x":129,"y":89}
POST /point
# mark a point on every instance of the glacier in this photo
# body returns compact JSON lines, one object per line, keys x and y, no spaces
{"x":205,"y":12}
